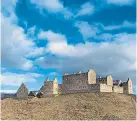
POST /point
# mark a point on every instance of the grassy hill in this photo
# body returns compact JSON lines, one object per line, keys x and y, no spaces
{"x":80,"y":106}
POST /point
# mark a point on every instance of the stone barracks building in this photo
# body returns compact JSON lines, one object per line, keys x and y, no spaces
{"x":80,"y":82}
{"x":87,"y":82}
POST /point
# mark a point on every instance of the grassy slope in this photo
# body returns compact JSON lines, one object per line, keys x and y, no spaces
{"x":80,"y":106}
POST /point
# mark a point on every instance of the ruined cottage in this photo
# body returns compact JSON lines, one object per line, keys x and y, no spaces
{"x":22,"y":92}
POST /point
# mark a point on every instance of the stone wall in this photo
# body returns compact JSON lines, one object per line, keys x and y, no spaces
{"x":94,"y":87}
{"x":48,"y":88}
{"x":100,"y":88}
{"x":75,"y":83}
{"x":125,"y":87}
{"x":117,"y":89}
{"x":105,"y":88}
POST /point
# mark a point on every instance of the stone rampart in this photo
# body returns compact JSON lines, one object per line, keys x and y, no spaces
{"x":75,"y":83}
{"x":105,"y":88}
{"x":117,"y":89}
{"x":48,"y":88}
{"x":94,"y":87}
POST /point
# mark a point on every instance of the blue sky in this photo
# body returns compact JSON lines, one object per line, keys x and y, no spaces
{"x":48,"y":38}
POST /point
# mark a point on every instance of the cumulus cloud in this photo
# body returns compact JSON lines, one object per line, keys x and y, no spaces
{"x":15,"y":79}
{"x":31,"y":32}
{"x":115,"y":57}
{"x":8,"y":91}
{"x":86,"y":29}
{"x":8,"y":6}
{"x":16,"y":45}
{"x":86,"y":9}
{"x":57,"y":42}
{"x":125,"y":24}
{"x":53,"y":6}
{"x":104,"y":37}
{"x":95,"y":30}
{"x":120,"y":2}
{"x":38,"y":51}
{"x":48,"y":61}
{"x":50,"y":5}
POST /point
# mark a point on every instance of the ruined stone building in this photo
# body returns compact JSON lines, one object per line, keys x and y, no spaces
{"x":78,"y":82}
{"x":127,"y":86}
{"x":87,"y":82}
{"x":50,"y":87}
{"x":22,"y":92}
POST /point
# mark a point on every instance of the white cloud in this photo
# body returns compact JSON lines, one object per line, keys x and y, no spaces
{"x":50,"y":5}
{"x":92,"y":31}
{"x":57,"y":42}
{"x":8,"y":91}
{"x":104,"y":37}
{"x":120,"y":2}
{"x":36,"y":52}
{"x":51,"y":36}
{"x":48,"y":62}
{"x":128,"y":24}
{"x":15,"y":45}
{"x":31,"y":31}
{"x":86,"y":29}
{"x":116,"y":56}
{"x":125,"y":24}
{"x":53,"y":6}
{"x":15,"y":79}
{"x":14,"y":42}
{"x":8,"y":7}
{"x":86,"y":9}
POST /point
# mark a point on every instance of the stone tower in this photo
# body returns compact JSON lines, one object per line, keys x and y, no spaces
{"x":109,"y":80}
{"x":55,"y":86}
{"x":22,"y":92}
{"x":91,"y":77}
{"x":127,"y":86}
{"x":129,"y":81}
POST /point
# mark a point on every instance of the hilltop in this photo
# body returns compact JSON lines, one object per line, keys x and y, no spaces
{"x":79,"y":106}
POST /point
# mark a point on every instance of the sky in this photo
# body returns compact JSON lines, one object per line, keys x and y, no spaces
{"x":46,"y":38}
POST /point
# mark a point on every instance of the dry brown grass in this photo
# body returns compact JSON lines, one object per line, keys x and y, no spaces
{"x":80,"y":106}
